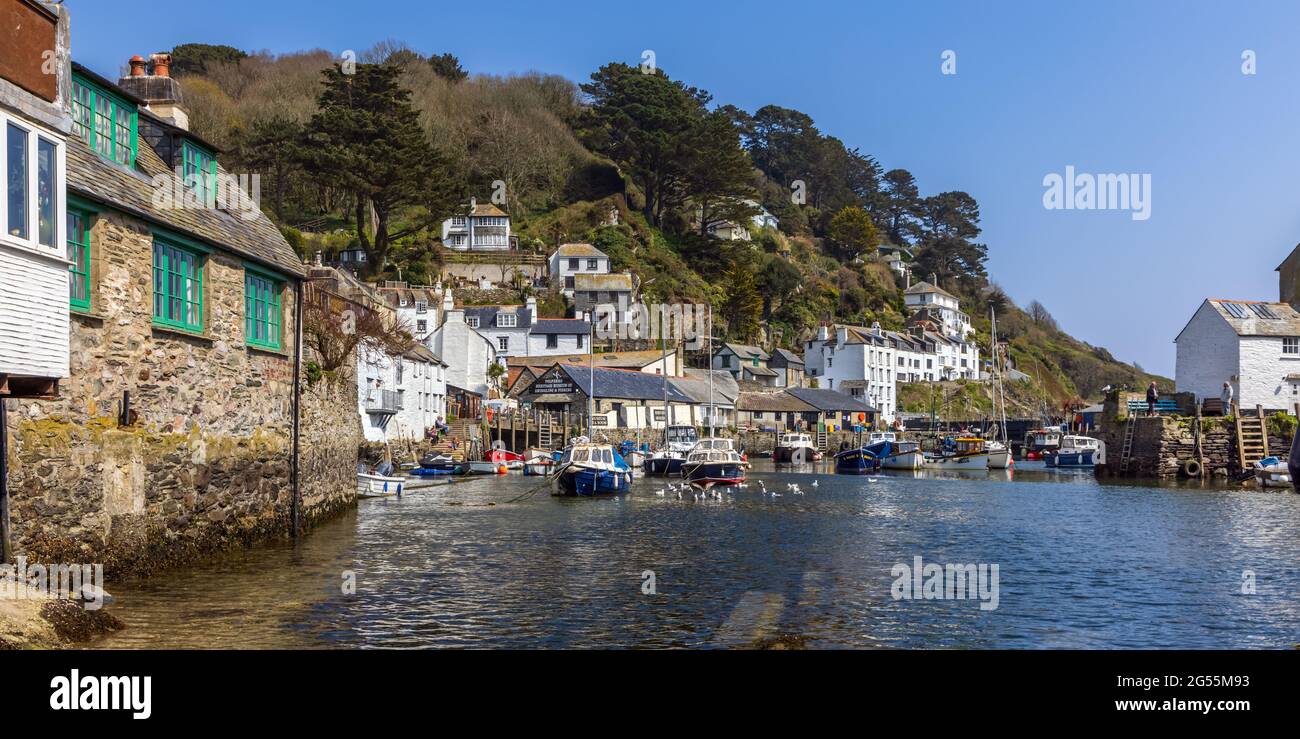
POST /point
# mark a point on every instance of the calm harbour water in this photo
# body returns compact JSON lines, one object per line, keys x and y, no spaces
{"x":1081,"y":565}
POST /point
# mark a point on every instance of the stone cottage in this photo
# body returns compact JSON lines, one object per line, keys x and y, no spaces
{"x":175,"y":430}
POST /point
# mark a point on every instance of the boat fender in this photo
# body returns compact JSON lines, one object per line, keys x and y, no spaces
{"x":1191,"y":468}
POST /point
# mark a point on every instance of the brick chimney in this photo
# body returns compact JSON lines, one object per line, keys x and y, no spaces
{"x":156,"y":87}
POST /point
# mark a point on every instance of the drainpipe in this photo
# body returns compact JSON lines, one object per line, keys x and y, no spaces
{"x":297,"y":391}
{"x":6,"y":553}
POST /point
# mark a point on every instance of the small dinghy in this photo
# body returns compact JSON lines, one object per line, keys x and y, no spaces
{"x":379,"y":486}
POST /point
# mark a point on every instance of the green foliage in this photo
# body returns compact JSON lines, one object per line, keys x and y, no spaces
{"x":743,"y":306}
{"x":447,"y":66}
{"x":195,"y":58}
{"x":854,"y":233}
{"x":368,"y":139}
{"x":1282,"y":424}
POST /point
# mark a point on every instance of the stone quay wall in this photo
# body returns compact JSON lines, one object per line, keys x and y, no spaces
{"x":1163,"y":444}
{"x":205,"y":461}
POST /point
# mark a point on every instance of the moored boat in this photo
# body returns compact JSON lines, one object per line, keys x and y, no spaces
{"x":714,"y":461}
{"x":794,"y":448}
{"x":1077,"y":451}
{"x":999,"y":456}
{"x":379,"y":486}
{"x":485,"y":468}
{"x":511,"y":460}
{"x":439,"y":464}
{"x":900,"y":455}
{"x":1039,"y":442}
{"x":667,"y":460}
{"x":588,"y":469}
{"x":856,"y":461}
{"x":959,"y":454}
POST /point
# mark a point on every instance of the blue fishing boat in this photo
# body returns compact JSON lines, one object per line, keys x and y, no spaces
{"x":714,"y":461}
{"x":439,"y":464}
{"x":667,"y":460}
{"x":588,"y":469}
{"x":1077,"y":451}
{"x":856,"y":461}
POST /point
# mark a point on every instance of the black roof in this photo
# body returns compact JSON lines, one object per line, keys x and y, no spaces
{"x":784,"y":358}
{"x":829,"y":400}
{"x":487,"y":315}
{"x":622,"y":384}
{"x":561,"y":326}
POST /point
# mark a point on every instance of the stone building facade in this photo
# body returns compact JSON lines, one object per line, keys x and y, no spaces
{"x":174,"y":433}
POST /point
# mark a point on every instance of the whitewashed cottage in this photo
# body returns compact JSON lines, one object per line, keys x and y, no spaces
{"x":1254,"y":345}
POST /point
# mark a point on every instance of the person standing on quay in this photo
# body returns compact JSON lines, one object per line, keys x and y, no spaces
{"x":1226,"y":398}
{"x":1152,"y":396}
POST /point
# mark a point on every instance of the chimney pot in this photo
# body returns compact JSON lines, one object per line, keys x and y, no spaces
{"x":137,"y":65}
{"x":162,"y":64}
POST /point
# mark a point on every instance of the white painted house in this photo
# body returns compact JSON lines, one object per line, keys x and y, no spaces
{"x":1254,"y":345}
{"x":553,"y":337}
{"x":943,"y":304}
{"x":35,"y":118}
{"x":416,"y":307}
{"x":856,"y":361}
{"x":506,"y":326}
{"x":478,"y":228}
{"x":467,"y":353}
{"x":571,"y":260}
{"x":400,"y":398}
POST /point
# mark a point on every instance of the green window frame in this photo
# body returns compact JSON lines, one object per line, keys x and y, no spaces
{"x":108,"y":124}
{"x":79,"y":256}
{"x":177,"y":286}
{"x":200,"y":165}
{"x":262,"y":313}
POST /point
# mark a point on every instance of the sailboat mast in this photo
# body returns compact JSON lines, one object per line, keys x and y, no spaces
{"x":709,"y":369}
{"x":664,"y":360}
{"x":591,"y":386}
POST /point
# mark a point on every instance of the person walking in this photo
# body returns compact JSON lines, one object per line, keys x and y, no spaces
{"x":1153,"y":395}
{"x":1226,"y":397}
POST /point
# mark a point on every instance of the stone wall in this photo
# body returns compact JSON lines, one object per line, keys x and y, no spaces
{"x":1162,"y":444}
{"x":205,"y":461}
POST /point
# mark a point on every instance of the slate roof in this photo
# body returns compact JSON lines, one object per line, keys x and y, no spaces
{"x":696,"y":384}
{"x":561,"y":326}
{"x":422,"y":353}
{"x":579,"y":250}
{"x":131,"y":191}
{"x":621,"y":281}
{"x":632,"y":360}
{"x":785,"y":358}
{"x":395,"y":295}
{"x":484,"y":210}
{"x":487,"y":315}
{"x":782,"y":402}
{"x":829,"y":400}
{"x":1287,"y":322}
{"x":759,"y":371}
{"x":921,"y":288}
{"x":624,"y":384}
{"x":744,"y":351}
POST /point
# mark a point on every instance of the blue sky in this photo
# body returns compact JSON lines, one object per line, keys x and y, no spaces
{"x":1108,"y":87}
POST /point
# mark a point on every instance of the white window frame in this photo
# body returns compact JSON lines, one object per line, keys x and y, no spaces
{"x":507,"y":320}
{"x":59,"y":249}
{"x":1294,"y":344}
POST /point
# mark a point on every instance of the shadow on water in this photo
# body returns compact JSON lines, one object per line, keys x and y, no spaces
{"x":1081,"y":564}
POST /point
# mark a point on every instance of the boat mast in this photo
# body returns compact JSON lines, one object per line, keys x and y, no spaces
{"x":664,"y":361}
{"x":1001,"y":399}
{"x":709,"y":369}
{"x":591,"y":387}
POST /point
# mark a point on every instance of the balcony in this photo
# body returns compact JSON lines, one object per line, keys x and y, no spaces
{"x":383,"y":402}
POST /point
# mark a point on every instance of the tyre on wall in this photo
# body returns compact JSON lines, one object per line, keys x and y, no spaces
{"x":1190,"y":468}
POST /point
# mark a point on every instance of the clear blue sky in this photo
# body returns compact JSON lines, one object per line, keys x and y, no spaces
{"x":1145,"y":87}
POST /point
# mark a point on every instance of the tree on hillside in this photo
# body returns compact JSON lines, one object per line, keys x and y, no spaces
{"x":899,"y":207}
{"x":447,"y":66}
{"x":644,"y":122}
{"x":1039,"y":314}
{"x":717,"y":178}
{"x":194,"y":58}
{"x":948,"y":223}
{"x":743,"y":306}
{"x":272,"y":150}
{"x":368,"y":138}
{"x":777,"y":281}
{"x":853,"y":233}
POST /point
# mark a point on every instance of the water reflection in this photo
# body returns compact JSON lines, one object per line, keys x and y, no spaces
{"x":1082,"y":565}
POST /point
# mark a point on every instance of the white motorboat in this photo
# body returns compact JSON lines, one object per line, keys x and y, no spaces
{"x":379,"y":486}
{"x":964,"y":453}
{"x":794,"y":448}
{"x":903,"y":455}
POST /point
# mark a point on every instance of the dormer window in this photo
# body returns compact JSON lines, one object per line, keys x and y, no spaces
{"x":472,"y":321}
{"x":507,"y":320}
{"x":199,"y":168}
{"x":108,"y":124}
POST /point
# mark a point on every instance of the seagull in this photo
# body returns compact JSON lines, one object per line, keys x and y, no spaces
{"x":814,"y":483}
{"x":871,"y":479}
{"x":660,"y":492}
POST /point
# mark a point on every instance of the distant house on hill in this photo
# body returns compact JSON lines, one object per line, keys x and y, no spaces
{"x":479,"y":228}
{"x":745,"y":362}
{"x":571,"y":260}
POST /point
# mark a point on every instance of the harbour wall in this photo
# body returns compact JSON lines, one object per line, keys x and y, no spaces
{"x":1162,"y":446}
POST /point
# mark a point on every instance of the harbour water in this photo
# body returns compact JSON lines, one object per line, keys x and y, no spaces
{"x":1081,"y":565}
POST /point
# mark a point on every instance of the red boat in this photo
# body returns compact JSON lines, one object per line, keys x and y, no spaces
{"x":506,"y":457}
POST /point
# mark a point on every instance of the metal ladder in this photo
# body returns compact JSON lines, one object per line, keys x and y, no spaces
{"x":1126,"y":454}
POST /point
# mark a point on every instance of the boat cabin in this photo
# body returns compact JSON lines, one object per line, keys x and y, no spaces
{"x":1079,"y":443}
{"x":795,"y":440}
{"x":593,"y":456}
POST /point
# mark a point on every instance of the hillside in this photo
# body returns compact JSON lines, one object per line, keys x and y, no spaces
{"x":640,"y":165}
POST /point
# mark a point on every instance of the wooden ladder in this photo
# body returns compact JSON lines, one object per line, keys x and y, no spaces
{"x":545,"y":438}
{"x":1252,"y":437}
{"x":1126,"y":452}
{"x":821,"y":436}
